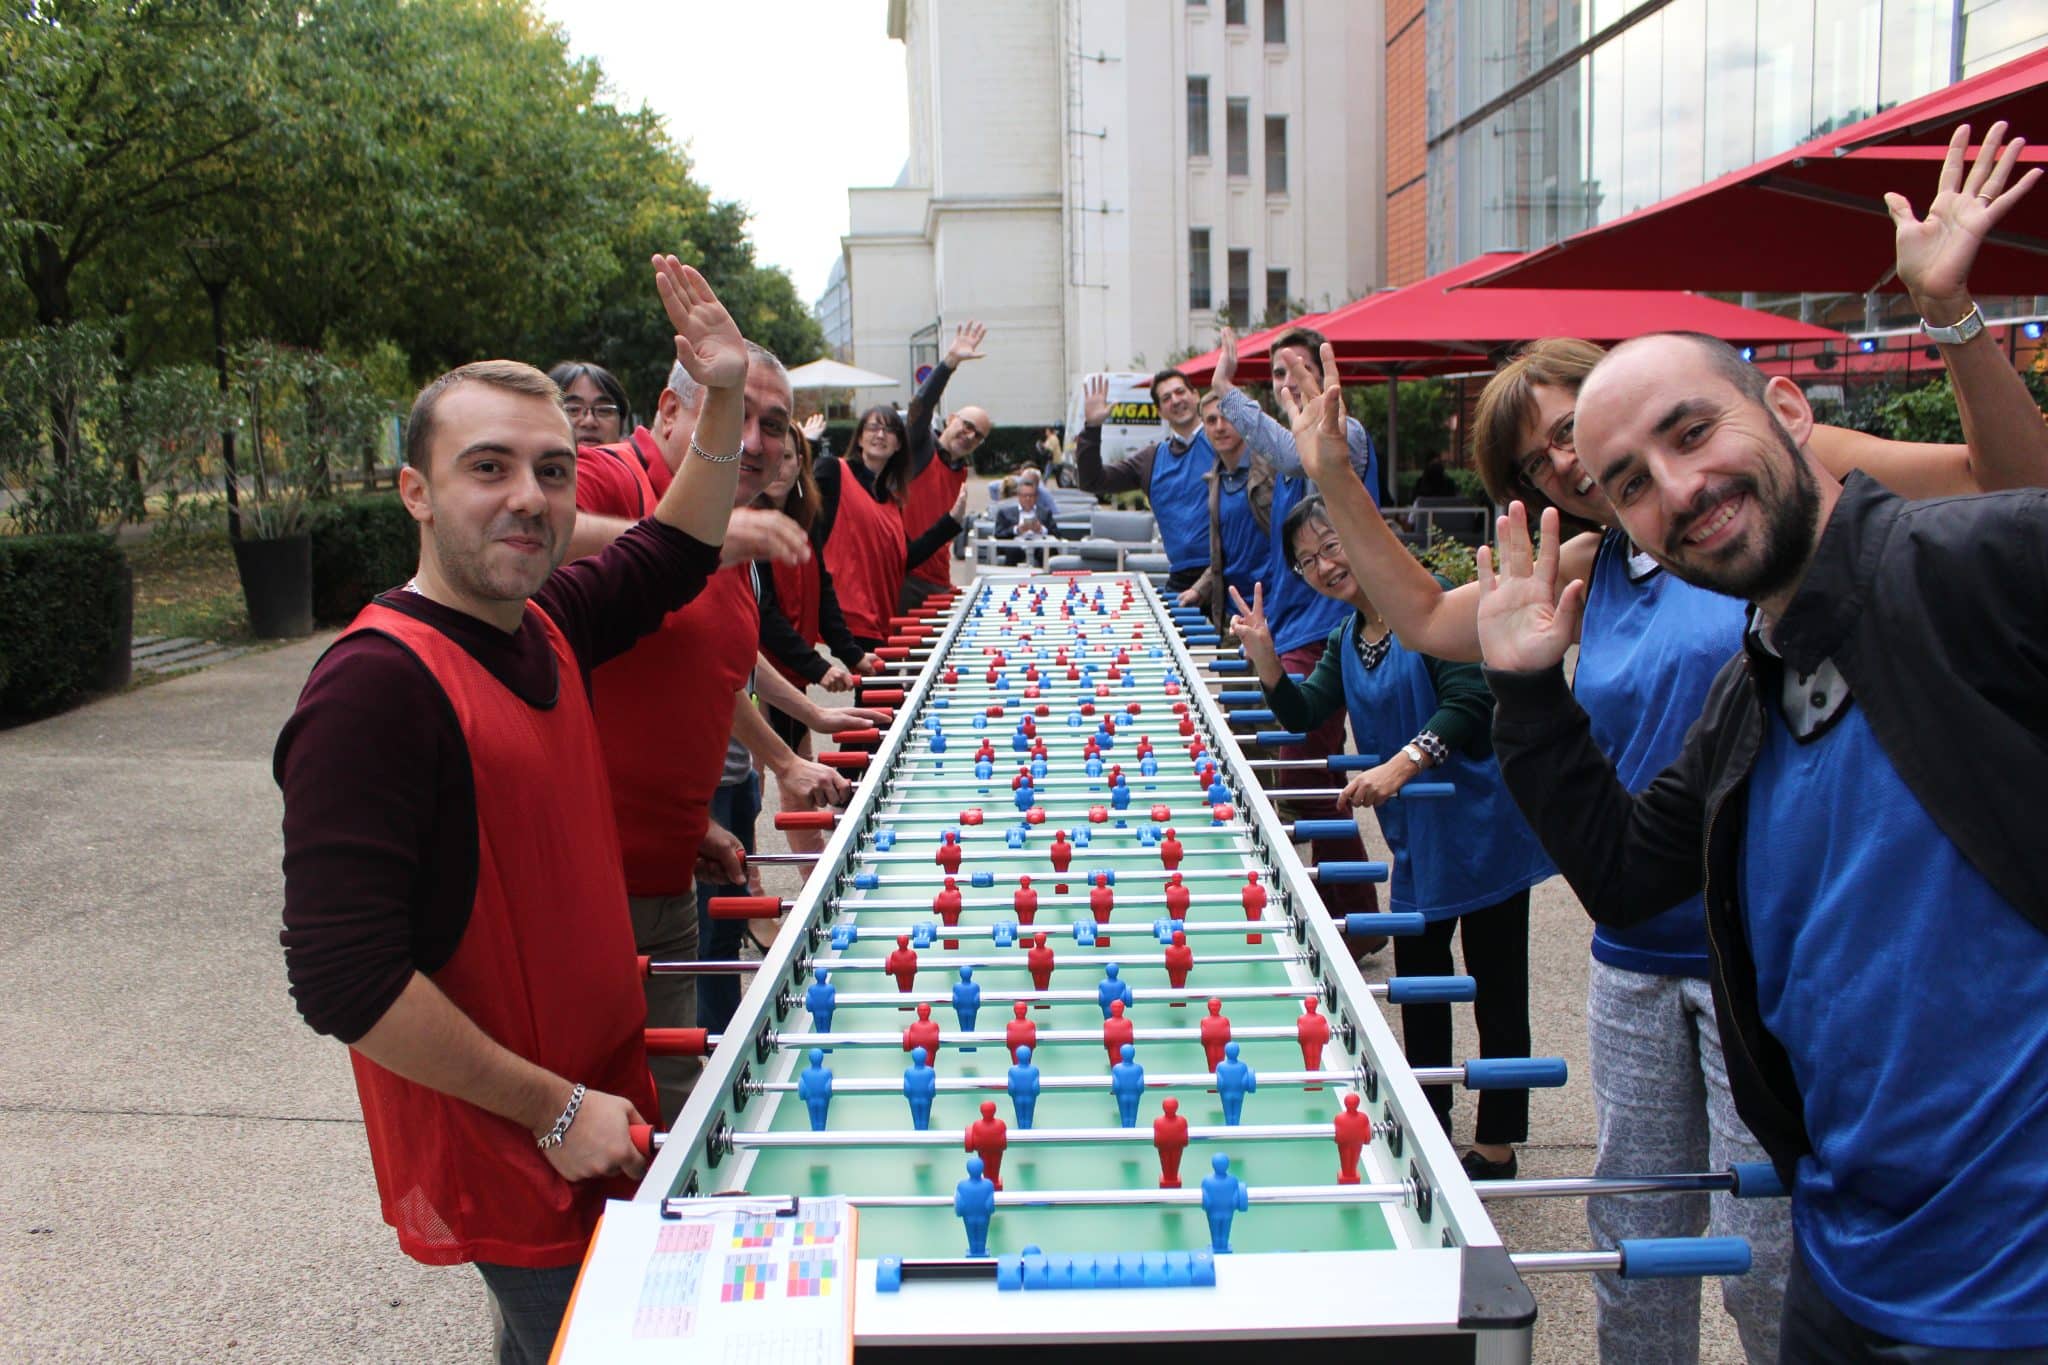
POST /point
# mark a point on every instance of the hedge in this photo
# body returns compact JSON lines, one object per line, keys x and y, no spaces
{"x":65,"y":609}
{"x":361,"y":547}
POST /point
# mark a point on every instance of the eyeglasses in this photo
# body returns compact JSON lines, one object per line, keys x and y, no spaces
{"x":1536,"y":466}
{"x":1330,"y":552}
{"x":576,"y":408}
{"x":975,"y":434}
{"x":876,"y":424}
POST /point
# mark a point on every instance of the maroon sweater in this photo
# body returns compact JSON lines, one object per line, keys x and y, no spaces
{"x":380,"y":840}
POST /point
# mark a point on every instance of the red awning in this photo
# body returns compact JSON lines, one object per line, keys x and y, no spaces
{"x":1813,"y":218}
{"x":1250,"y":346}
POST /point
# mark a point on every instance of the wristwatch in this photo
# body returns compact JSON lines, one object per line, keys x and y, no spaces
{"x":1972,"y":323}
{"x":1414,"y":755}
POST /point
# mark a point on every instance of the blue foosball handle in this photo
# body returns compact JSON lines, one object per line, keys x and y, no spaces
{"x":1423,"y":791}
{"x":1333,"y":872}
{"x":1307,"y":830}
{"x":1244,"y":698}
{"x":1204,"y":637}
{"x":1757,"y":1180}
{"x":1431,"y":990}
{"x":1270,"y":738}
{"x":1514,"y":1073}
{"x":1650,"y":1258}
{"x":1397,"y":923}
{"x":1253,"y":717}
{"x":1353,"y":763}
{"x":1230,"y":666}
{"x":889,"y":1275}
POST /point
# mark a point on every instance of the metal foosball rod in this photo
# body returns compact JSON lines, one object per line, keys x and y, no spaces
{"x":1139,"y":994}
{"x":1332,"y":871}
{"x":1550,"y":1076}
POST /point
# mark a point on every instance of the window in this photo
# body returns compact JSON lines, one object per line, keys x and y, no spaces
{"x":1198,"y":116}
{"x":1198,"y":268}
{"x":1276,"y":294}
{"x":1276,"y":154}
{"x":1237,"y":136}
{"x":1241,"y":287}
{"x":1276,"y":21}
{"x":1233,"y":12}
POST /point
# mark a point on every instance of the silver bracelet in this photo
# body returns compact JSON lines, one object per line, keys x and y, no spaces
{"x":709,"y":458}
{"x":561,"y":1129}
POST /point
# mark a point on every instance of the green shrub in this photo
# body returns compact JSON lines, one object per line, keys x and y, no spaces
{"x":64,"y":601}
{"x":1450,"y":557}
{"x":361,"y":547}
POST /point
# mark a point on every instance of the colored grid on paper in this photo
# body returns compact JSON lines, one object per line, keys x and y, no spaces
{"x":814,"y":1234}
{"x":812,"y":1274}
{"x":675,"y":1237}
{"x":747,"y":1277}
{"x":746,"y":1236}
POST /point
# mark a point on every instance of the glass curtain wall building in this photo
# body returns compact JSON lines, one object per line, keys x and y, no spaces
{"x":1548,"y":116}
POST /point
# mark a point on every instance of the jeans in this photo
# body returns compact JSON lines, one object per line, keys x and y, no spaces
{"x":665,"y":929}
{"x":1496,"y":939}
{"x":736,"y":807}
{"x":529,"y":1306}
{"x":1815,"y":1332}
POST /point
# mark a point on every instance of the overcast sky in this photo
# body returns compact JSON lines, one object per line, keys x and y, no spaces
{"x":782,"y":103}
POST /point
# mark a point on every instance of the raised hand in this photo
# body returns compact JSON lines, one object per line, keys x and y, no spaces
{"x":966,"y":344}
{"x":1226,"y":364}
{"x":1318,"y":419}
{"x":708,"y":341}
{"x":1936,"y":252}
{"x":1253,"y":631}
{"x":1095,"y":400}
{"x":1525,"y":624}
{"x":813,"y":427}
{"x":753,"y":533}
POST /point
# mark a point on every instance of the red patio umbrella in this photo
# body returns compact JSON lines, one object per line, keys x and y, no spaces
{"x":1814,"y":218}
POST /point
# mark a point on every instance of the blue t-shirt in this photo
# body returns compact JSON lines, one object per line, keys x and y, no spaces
{"x":1912,"y":1000}
{"x":1649,"y":648}
{"x":1298,"y":615}
{"x":1246,"y":548}
{"x":1180,"y":501}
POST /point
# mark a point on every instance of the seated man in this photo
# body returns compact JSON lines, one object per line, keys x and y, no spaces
{"x":1030,"y":517}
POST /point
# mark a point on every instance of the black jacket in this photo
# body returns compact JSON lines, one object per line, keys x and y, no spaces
{"x":1936,"y":615}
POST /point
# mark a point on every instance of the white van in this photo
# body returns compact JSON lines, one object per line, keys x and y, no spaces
{"x":1133,"y":422}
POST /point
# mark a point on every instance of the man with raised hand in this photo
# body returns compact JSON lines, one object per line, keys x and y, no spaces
{"x":1168,"y":474}
{"x":1855,"y":801}
{"x":939,"y":460}
{"x":454,"y":909}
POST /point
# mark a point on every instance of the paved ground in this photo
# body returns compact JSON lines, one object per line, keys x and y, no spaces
{"x":186,"y":1175}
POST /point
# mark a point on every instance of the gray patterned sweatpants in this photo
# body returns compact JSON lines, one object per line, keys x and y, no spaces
{"x":1661,"y":1091}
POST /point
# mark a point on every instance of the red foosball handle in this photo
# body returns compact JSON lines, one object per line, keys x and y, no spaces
{"x":874,"y":695}
{"x":850,"y":758}
{"x":642,"y":1135}
{"x":743,"y":907}
{"x":890,"y":652}
{"x":867,"y":736}
{"x":678,"y":1042}
{"x":806,"y":819}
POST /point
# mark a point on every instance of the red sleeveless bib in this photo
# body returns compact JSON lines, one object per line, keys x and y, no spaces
{"x":865,"y":554}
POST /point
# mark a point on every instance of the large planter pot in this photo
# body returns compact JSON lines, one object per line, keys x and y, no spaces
{"x":277,"y":583}
{"x":120,"y":664}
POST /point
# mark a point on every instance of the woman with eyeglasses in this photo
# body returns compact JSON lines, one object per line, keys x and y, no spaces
{"x":595,"y":401}
{"x":867,"y":549}
{"x":1466,"y":862}
{"x":1649,"y":648}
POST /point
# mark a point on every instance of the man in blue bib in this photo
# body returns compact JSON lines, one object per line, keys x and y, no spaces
{"x":1857,"y":802}
{"x":1168,"y":474}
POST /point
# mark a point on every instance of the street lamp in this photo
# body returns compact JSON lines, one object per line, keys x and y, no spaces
{"x":213,"y":260}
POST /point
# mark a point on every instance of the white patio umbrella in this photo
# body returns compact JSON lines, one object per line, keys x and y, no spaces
{"x":831,"y":374}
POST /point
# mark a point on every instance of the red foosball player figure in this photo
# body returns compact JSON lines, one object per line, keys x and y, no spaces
{"x":1215,"y":1032}
{"x":1101,"y":900}
{"x":1170,"y":851}
{"x":1116,"y":1031}
{"x":1177,"y":897}
{"x":948,"y":855}
{"x":1019,"y":1032}
{"x":1024,"y":901}
{"x":902,"y":964}
{"x":987,"y":1136}
{"x":1187,"y":725}
{"x":924,"y":1033}
{"x":1354,"y":1130}
{"x":1039,"y":961}
{"x":1311,"y":1030}
{"x":1170,"y":1136}
{"x":1179,"y":959}
{"x":1254,"y":902}
{"x":946,"y":905}
{"x":1062,"y":851}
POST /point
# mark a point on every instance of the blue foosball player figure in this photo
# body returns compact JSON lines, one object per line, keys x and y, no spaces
{"x":920,"y":1083}
{"x":1234,"y":1080}
{"x":974,"y":1199}
{"x":1127,"y":1083}
{"x":821,"y":999}
{"x":966,"y":1001}
{"x":814,"y":1088}
{"x":1113,"y":988}
{"x":1024,"y":1087}
{"x":1223,"y":1198}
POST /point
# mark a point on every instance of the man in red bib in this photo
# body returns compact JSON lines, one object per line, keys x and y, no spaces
{"x":454,"y":909}
{"x":940,"y":460}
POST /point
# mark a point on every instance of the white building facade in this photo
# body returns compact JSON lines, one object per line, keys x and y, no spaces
{"x":1103,"y":181}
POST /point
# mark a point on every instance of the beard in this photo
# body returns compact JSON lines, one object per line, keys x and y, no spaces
{"x":1791,"y":512}
{"x":471,"y":569}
